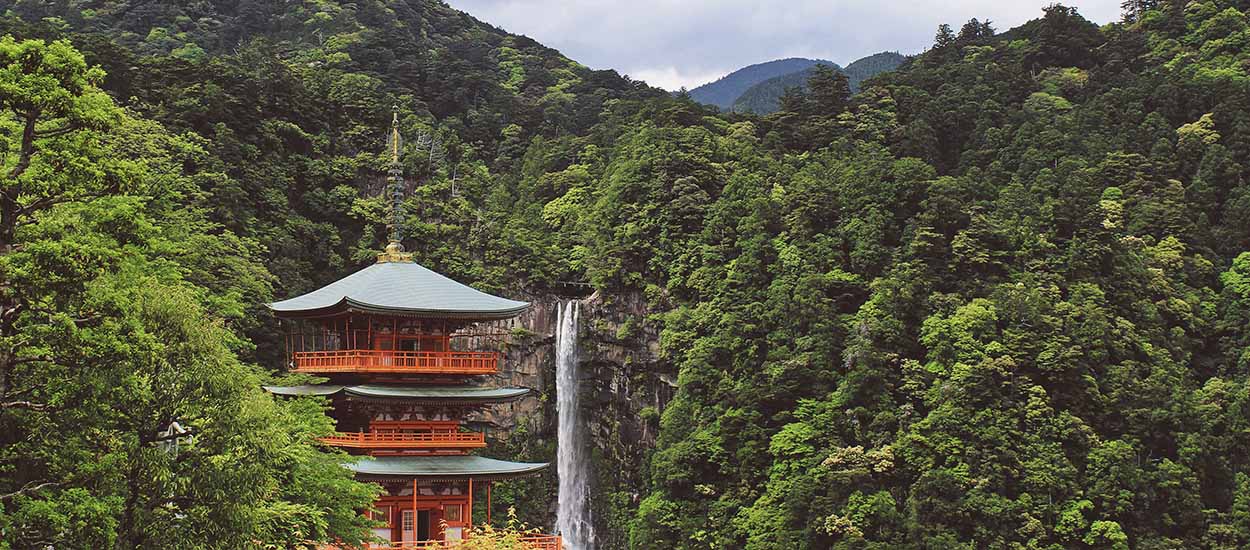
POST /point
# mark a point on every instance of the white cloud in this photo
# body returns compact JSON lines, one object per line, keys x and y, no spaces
{"x":673,"y":78}
{"x":673,"y":43}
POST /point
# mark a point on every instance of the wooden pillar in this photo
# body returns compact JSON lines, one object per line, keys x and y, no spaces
{"x":414,"y":511}
{"x":470,"y":503}
{"x":488,"y":501}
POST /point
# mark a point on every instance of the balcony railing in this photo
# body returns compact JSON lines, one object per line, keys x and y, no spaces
{"x":530,"y":542}
{"x":408,"y":440}
{"x":400,"y":362}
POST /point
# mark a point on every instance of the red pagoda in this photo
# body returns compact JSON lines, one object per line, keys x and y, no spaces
{"x":396,"y":342}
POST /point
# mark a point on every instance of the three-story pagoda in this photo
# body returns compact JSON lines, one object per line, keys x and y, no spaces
{"x":392,"y":341}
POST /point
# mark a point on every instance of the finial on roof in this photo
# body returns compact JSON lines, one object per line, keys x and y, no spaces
{"x":395,"y":188}
{"x":394,"y":138}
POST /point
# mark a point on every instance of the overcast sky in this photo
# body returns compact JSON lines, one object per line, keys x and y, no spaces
{"x":675,"y":43}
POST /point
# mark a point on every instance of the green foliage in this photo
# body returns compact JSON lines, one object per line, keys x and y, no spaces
{"x":115,"y":330}
{"x":997,"y":299}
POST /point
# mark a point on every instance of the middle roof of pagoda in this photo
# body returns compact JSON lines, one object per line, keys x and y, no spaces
{"x":439,"y":394}
{"x":403,"y":288}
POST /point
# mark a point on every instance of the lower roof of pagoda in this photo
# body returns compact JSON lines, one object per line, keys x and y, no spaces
{"x":428,"y":394}
{"x":446,"y":468}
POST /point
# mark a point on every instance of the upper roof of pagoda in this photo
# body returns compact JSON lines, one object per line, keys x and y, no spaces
{"x":396,"y":285}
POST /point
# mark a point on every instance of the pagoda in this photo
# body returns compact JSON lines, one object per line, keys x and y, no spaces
{"x":397,"y":343}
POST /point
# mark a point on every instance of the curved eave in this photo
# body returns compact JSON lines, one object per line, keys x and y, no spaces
{"x":441,"y":468}
{"x":303,"y":391}
{"x":414,"y":394}
{"x":484,"y":395}
{"x":348,"y":305}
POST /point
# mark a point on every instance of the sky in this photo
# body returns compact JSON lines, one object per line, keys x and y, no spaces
{"x":676,"y":43}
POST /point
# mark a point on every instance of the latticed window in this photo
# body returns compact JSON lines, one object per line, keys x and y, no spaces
{"x":382,"y":514}
{"x":452,"y":513}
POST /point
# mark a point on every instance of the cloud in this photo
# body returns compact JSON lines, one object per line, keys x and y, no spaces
{"x":673,"y":43}
{"x":672,"y":78}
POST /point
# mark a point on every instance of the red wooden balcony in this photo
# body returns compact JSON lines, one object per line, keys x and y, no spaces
{"x":397,"y":362}
{"x":408,"y":440}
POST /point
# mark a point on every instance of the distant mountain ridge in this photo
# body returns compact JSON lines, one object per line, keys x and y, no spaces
{"x":725,"y":91}
{"x":764,"y":97}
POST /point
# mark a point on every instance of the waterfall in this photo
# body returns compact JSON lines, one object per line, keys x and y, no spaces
{"x":572,"y":464}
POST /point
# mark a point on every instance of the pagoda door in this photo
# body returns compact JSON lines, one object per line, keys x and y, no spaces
{"x":409,"y":525}
{"x":423,"y":525}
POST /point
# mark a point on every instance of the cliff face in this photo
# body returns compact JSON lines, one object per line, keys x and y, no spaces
{"x":624,"y":384}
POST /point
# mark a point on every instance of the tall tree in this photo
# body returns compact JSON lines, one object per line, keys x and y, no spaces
{"x":945,"y":37}
{"x":126,"y":419}
{"x":1132,"y":10}
{"x":829,"y":91}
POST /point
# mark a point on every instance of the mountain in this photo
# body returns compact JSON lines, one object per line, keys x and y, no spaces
{"x":763,"y":98}
{"x":867,"y":67}
{"x":723,"y":92}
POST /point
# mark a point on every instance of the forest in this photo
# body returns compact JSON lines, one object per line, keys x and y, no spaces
{"x":998,"y":298}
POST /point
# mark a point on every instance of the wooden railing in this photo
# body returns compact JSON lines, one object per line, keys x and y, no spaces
{"x":531,"y":542}
{"x":387,"y":361}
{"x":407,"y":440}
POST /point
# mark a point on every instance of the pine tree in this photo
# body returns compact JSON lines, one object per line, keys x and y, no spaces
{"x":829,"y":89}
{"x":1132,"y":10}
{"x":794,"y":100}
{"x":987,"y":29}
{"x":970,"y":31}
{"x":945,"y":37}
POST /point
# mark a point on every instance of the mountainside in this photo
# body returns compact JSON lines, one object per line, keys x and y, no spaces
{"x":291,"y":99}
{"x":765,"y":97}
{"x":1000,"y":298}
{"x":728,"y":88}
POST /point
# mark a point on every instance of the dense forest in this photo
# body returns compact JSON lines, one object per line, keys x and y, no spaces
{"x":999,"y":298}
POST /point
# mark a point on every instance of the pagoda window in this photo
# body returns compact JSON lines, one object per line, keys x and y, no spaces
{"x":382,"y":514}
{"x":451,"y":513}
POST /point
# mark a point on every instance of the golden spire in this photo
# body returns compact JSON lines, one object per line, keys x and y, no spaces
{"x":394,"y":141}
{"x":395,"y":188}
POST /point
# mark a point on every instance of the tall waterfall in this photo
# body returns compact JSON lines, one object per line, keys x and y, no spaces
{"x":572,"y":464}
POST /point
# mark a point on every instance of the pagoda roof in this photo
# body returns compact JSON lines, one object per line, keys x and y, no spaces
{"x":400,"y":288}
{"x":442,"y":467}
{"x":442,"y":394}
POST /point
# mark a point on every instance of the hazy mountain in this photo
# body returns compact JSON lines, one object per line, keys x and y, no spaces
{"x":725,"y":91}
{"x":763,"y":97}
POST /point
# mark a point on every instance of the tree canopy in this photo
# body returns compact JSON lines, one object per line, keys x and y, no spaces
{"x":998,"y":298}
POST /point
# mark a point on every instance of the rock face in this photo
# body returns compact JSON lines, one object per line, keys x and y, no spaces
{"x":625,"y":386}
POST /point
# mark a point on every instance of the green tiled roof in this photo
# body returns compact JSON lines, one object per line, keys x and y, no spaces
{"x":418,"y":393}
{"x":442,"y":467}
{"x":303,"y":391}
{"x":400,"y":288}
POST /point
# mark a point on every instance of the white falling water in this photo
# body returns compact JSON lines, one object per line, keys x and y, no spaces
{"x":573,"y":512}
